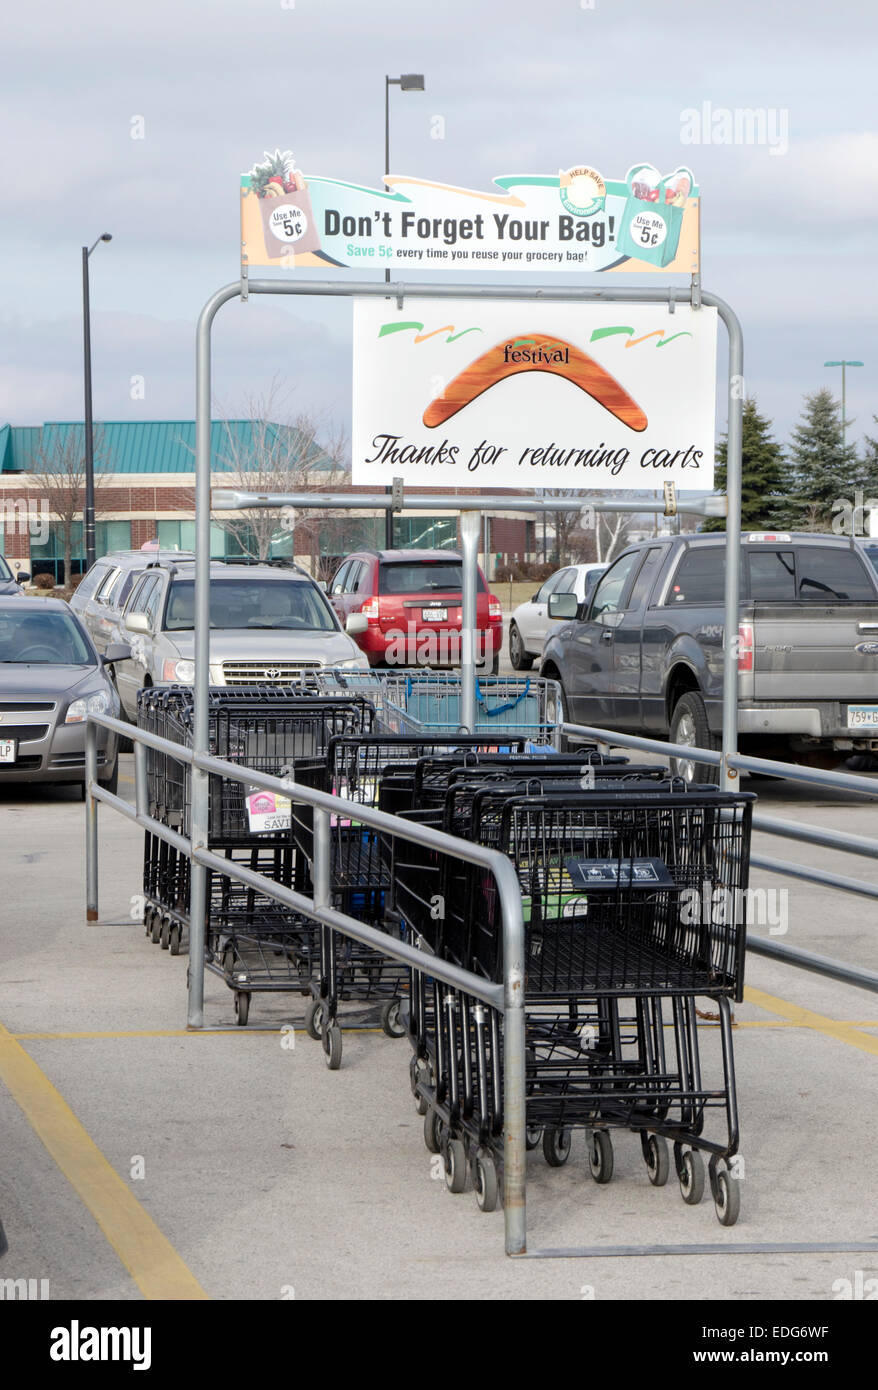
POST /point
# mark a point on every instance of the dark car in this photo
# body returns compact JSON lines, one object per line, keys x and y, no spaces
{"x":646,"y":653}
{"x":51,"y":678}
{"x":404,"y":608}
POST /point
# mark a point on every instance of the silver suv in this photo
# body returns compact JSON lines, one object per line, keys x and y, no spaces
{"x":267,"y":624}
{"x":103,"y":591}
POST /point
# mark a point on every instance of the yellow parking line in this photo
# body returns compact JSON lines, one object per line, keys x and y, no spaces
{"x":172,"y":1033}
{"x":804,"y":1018}
{"x":150,"y":1259}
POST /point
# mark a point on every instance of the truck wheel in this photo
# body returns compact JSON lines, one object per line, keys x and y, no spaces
{"x":689,"y":726}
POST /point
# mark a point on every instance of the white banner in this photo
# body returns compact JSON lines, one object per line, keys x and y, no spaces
{"x":475,"y":394}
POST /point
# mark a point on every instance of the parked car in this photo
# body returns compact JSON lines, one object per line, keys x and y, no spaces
{"x":51,"y":677}
{"x":530,"y":625}
{"x":267,"y":624}
{"x":645,"y":654}
{"x":405,"y":607}
{"x":103,"y":590}
{"x":10,"y":584}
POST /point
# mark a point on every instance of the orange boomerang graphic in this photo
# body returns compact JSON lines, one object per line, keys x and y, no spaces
{"x":544,"y":354}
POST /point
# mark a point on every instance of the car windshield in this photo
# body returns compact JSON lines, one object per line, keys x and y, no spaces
{"x":5,"y":571}
{"x":293,"y":605}
{"x":44,"y":639}
{"x":421,"y":577}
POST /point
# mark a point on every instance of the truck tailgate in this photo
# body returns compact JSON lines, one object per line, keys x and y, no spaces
{"x":810,"y":652}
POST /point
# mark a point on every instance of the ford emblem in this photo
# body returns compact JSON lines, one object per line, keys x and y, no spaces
{"x":867,"y":648}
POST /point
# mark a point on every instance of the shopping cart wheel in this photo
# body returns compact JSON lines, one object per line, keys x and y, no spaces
{"x":455,"y":1165}
{"x":485,"y":1181}
{"x":314,"y":1019}
{"x":532,"y":1136}
{"x":174,"y":938}
{"x":600,"y":1155}
{"x":556,"y":1146}
{"x":690,"y":1171}
{"x":658,"y":1159}
{"x":420,"y":1074}
{"x":165,"y":937}
{"x":332,"y":1046}
{"x":155,"y":929}
{"x":147,"y":920}
{"x":390,"y":1019}
{"x":242,"y":1007}
{"x":433,"y":1131}
{"x":726,"y":1196}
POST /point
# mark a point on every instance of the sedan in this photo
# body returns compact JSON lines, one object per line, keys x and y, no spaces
{"x":529,"y":625}
{"x":51,"y":679}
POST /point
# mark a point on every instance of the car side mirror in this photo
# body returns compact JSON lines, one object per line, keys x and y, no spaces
{"x":23,"y":577}
{"x":563,"y":606}
{"x":138,"y":622}
{"x":356,"y":623}
{"x":116,"y":651}
{"x":321,"y":584}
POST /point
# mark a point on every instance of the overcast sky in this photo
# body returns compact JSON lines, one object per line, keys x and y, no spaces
{"x":790,"y":238}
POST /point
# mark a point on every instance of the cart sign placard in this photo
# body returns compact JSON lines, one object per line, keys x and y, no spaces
{"x":575,"y":220}
{"x":475,"y":394}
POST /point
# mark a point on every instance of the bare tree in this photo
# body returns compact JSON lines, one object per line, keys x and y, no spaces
{"x":58,"y":476}
{"x":564,"y":522}
{"x":280,"y":453}
{"x":611,"y":534}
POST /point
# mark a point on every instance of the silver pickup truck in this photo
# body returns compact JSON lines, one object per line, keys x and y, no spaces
{"x":646,"y":653}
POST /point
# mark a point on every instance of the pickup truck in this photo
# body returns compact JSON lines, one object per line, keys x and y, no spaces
{"x":645,"y":654}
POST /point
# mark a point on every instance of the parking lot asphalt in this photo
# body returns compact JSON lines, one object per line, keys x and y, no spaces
{"x":139,"y":1160}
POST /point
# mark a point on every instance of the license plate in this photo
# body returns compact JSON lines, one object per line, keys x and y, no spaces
{"x":435,"y":615}
{"x":863,"y":716}
{"x":7,"y":750}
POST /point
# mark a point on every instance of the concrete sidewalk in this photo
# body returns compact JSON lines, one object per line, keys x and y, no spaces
{"x":244,"y":1169}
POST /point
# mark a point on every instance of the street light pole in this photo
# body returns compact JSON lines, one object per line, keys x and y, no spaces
{"x":409,"y":82}
{"x":89,"y":509}
{"x":844,"y":365}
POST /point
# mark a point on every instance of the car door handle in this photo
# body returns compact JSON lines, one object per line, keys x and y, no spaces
{"x":607,"y":636}
{"x":867,"y":627}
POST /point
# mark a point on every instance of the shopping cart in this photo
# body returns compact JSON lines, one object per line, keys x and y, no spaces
{"x":422,"y":702}
{"x":252,"y":941}
{"x":617,"y":948}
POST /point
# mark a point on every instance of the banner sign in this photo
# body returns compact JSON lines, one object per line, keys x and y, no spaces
{"x":573,"y":220}
{"x":472,"y":393}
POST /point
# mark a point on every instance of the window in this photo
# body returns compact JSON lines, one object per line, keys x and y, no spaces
{"x":352,"y":583}
{"x":772,"y":575}
{"x":363,"y":578}
{"x":609,"y":592}
{"x":292,"y":605}
{"x":426,"y":577}
{"x":117,"y":599}
{"x":566,"y":581}
{"x":143,"y":593}
{"x":338,"y":583}
{"x":420,"y":533}
{"x":645,"y":578}
{"x":103,"y":591}
{"x":89,"y":583}
{"x":826,"y":574}
{"x":700,"y":576}
{"x":42,"y":639}
{"x":153,"y":601}
{"x":549,"y":587}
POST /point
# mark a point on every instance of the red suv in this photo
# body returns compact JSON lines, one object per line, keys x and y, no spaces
{"x":403,"y":608}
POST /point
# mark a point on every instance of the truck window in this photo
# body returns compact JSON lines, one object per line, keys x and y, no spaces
{"x":827,"y":573}
{"x":645,"y":578}
{"x":608,"y":594}
{"x":772,"y":575}
{"x":700,"y":576}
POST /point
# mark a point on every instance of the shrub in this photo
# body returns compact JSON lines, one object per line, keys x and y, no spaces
{"x":44,"y":581}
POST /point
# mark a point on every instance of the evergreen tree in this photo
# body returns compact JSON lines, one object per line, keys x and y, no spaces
{"x":824,"y":467}
{"x":869,"y":467}
{"x":764,"y":483}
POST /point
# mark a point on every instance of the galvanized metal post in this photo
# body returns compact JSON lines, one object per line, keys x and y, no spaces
{"x":733,"y":541}
{"x":470,"y":525}
{"x":91,"y":822}
{"x":141,"y":797}
{"x":201,"y":723}
{"x":514,"y":1063}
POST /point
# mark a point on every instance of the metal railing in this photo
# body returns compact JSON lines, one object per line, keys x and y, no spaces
{"x":507,"y":997}
{"x":733,"y":763}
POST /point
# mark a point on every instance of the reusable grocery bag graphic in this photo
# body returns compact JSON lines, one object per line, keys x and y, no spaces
{"x":573,"y":220}
{"x":471,"y":393}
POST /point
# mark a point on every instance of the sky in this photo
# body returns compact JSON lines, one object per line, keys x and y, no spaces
{"x":789,"y":227}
